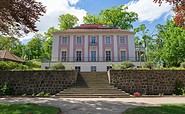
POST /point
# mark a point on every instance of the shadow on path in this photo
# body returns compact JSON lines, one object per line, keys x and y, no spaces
{"x":72,"y":106}
{"x":96,"y":105}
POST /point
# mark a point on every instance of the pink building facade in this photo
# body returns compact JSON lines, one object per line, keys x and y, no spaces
{"x":93,"y":47}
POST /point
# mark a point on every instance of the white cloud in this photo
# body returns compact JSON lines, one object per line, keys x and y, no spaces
{"x":149,"y":11}
{"x":54,"y":9}
{"x":73,"y":1}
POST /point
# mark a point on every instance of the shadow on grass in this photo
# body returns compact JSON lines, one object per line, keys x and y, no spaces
{"x":27,"y":109}
{"x":163,"y":109}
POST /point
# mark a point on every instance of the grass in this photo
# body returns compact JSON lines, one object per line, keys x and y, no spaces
{"x":27,"y":109}
{"x":163,"y":109}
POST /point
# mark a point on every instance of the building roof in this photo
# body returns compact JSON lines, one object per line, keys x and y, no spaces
{"x":6,"y":55}
{"x":94,"y":28}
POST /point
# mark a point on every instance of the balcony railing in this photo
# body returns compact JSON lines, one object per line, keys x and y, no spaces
{"x":93,"y":43}
{"x":100,"y":59}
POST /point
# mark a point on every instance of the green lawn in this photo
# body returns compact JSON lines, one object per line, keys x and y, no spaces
{"x":27,"y":109}
{"x":163,"y":109}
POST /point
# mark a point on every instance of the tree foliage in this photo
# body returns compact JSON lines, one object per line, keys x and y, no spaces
{"x":19,"y":15}
{"x":144,"y":39}
{"x":67,"y":21}
{"x":169,"y":1}
{"x":57,"y":66}
{"x":127,"y":65}
{"x":48,"y":35}
{"x":149,"y":64}
{"x":34,"y":48}
{"x":114,"y":17}
{"x":179,"y":10}
{"x":169,"y":45}
{"x":7,"y":43}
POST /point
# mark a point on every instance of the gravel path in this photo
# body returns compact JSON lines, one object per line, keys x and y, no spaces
{"x":96,"y":105}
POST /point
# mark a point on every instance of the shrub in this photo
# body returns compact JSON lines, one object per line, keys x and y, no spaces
{"x":179,"y":87}
{"x":149,"y":64}
{"x":183,"y":65}
{"x":33,"y":64}
{"x":126,"y":65}
{"x":9,"y":65}
{"x":57,"y":66}
{"x":7,"y":90}
{"x":3,"y":65}
{"x":42,"y":94}
{"x":22,"y":67}
{"x":115,"y":67}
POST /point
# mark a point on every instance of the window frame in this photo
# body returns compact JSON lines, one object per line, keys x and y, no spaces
{"x":79,"y":56}
{"x":108,"y":56}
{"x":78,"y":68}
{"x":64,"y":41}
{"x":93,"y":41}
{"x":109,"y":67}
{"x":107,"y":41}
{"x":93,"y":68}
{"x":77,"y":42}
{"x":120,"y":41}
{"x":93,"y":57}
{"x":121,"y":56}
{"x":63,"y":58}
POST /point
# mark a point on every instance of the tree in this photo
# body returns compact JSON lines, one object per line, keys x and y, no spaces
{"x":7,"y":43}
{"x":67,"y":21}
{"x":170,"y":43}
{"x":34,"y":48}
{"x":114,"y":17}
{"x":92,"y":19}
{"x":146,"y":40}
{"x":179,"y":10}
{"x":19,"y":49}
{"x":19,"y":16}
{"x":48,"y":42}
{"x":169,"y":1}
{"x":12,"y":44}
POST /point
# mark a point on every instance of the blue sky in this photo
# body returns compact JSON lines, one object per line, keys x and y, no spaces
{"x":149,"y":13}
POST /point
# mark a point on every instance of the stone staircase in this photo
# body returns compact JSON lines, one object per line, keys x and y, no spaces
{"x":92,"y":85}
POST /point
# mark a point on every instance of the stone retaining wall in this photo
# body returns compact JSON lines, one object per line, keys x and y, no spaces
{"x":151,"y":82}
{"x":29,"y":82}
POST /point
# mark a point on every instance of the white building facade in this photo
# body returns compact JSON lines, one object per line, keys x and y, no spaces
{"x":92,"y":47}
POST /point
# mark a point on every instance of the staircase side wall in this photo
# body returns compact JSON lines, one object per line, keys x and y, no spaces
{"x":152,"y":82}
{"x":29,"y":82}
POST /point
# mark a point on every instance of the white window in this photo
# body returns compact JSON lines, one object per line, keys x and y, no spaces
{"x":123,"y":56}
{"x":108,"y":55}
{"x":78,"y":56}
{"x":109,"y":67}
{"x":107,"y":39}
{"x":93,"y":68}
{"x":122,"y":40}
{"x":78,"y":68}
{"x":78,"y":40}
{"x":93,"y":55}
{"x":63,"y":56}
{"x":93,"y":40}
{"x":64,"y":40}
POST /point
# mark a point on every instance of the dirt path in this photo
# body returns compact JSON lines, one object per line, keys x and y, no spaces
{"x":96,"y":105}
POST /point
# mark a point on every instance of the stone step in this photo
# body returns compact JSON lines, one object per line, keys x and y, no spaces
{"x":93,"y":96}
{"x":92,"y":85}
{"x":91,"y":88}
{"x":92,"y":92}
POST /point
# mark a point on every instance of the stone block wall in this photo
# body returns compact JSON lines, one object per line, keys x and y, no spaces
{"x":152,"y":82}
{"x":29,"y":82}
